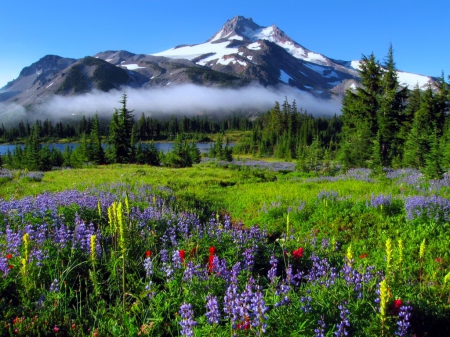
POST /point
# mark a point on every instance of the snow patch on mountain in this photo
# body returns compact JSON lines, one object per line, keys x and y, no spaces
{"x":355,"y":65}
{"x":133,"y":66}
{"x":254,"y":46}
{"x":411,"y":80}
{"x":190,"y":52}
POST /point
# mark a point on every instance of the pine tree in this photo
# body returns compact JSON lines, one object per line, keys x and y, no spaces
{"x":359,"y":114}
{"x":120,"y":134}
{"x":32,"y":150}
{"x":391,"y":105}
{"x":96,"y":152}
{"x":433,"y":168}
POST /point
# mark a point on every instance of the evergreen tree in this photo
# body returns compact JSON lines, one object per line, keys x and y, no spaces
{"x":433,"y":168}
{"x":120,"y":134}
{"x":96,"y":152}
{"x":32,"y":159}
{"x":359,"y":115}
{"x":391,"y":105}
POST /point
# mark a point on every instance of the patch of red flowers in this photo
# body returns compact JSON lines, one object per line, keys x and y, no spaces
{"x":396,"y":306}
{"x":363,"y":256}
{"x":212,"y":252}
{"x":244,"y":325}
{"x":182,"y":253}
{"x":9,"y":256}
{"x":298,"y":253}
{"x":148,"y":253}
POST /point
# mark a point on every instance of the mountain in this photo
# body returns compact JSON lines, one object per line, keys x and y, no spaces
{"x":239,"y":53}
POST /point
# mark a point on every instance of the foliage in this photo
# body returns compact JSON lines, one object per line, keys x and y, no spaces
{"x":336,"y":258}
{"x":120,"y":135}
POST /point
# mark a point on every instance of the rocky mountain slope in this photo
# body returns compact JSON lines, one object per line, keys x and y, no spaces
{"x":241,"y":52}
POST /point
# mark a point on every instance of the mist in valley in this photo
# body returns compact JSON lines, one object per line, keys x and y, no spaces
{"x":180,"y":100}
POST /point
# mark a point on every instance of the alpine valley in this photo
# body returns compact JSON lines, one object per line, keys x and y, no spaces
{"x":240,"y":53}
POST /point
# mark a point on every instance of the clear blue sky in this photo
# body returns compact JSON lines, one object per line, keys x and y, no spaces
{"x":340,"y":29}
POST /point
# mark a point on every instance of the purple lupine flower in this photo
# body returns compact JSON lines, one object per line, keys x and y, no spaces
{"x":4,"y":266}
{"x":320,"y":331}
{"x":150,"y":290}
{"x":189,"y":272}
{"x":380,"y":200}
{"x":176,"y":260}
{"x":187,"y":320}
{"x":54,"y":287}
{"x":248,"y":255}
{"x":272,"y":274}
{"x":13,"y":241}
{"x":148,"y":266}
{"x":306,"y":303}
{"x":341,"y":327}
{"x":62,"y":236}
{"x":403,"y":323}
{"x":258,"y":308}
{"x":164,"y":255}
{"x":212,"y":310}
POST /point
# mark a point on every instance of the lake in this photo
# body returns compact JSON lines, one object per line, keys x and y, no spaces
{"x":164,"y":147}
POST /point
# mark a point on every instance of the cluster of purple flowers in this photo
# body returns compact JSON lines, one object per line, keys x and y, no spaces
{"x":187,"y":320}
{"x":434,"y":207}
{"x":380,"y":200}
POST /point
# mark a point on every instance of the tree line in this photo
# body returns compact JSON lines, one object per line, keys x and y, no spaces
{"x":146,"y":128}
{"x":382,"y":125}
{"x":123,"y":145}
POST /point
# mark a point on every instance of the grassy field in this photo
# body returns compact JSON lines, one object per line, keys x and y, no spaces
{"x":353,"y":253}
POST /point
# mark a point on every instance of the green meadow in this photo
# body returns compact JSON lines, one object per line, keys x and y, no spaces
{"x":350,"y":254}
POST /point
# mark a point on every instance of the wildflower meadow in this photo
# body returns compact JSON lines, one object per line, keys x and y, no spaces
{"x":219,"y":250}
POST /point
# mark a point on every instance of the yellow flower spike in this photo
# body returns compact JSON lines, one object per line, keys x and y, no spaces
{"x":447,"y":278}
{"x":287,"y":225}
{"x":422,"y":249}
{"x":99,"y":208}
{"x":349,"y":255}
{"x":389,"y":252}
{"x":121,"y":226}
{"x":384,"y":299}
{"x":401,"y":247}
{"x":127,"y":203}
{"x":26,"y":244}
{"x":93,"y":248}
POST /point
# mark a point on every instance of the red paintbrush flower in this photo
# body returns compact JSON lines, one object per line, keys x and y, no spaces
{"x":396,"y":306}
{"x":9,"y":256}
{"x":363,"y":256}
{"x":298,"y":253}
{"x":212,"y":250}
{"x":182,"y":253}
{"x":148,"y":253}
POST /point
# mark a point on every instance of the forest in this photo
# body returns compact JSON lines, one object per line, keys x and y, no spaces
{"x":381,"y":124}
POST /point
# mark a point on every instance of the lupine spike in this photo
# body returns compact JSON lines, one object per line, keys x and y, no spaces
{"x":400,"y":254}
{"x":389,"y":253}
{"x":99,"y":208}
{"x":349,"y":255}
{"x":93,"y":243}
{"x":422,"y":249}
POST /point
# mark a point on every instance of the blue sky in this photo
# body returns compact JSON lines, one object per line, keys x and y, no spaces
{"x":340,"y":29}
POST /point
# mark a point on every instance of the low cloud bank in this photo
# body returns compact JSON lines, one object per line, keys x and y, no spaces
{"x":186,"y":99}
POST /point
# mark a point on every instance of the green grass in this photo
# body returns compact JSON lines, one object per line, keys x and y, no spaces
{"x":296,"y":213}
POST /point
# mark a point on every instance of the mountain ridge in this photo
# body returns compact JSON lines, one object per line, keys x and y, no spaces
{"x":239,"y":53}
